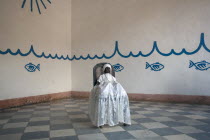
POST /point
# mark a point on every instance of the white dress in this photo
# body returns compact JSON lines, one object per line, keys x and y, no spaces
{"x":108,"y":103}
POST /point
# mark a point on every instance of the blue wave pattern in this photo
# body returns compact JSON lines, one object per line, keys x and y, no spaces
{"x":116,"y":51}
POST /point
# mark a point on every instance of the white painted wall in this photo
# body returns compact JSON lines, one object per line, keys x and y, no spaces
{"x":91,"y":27}
{"x":174,"y":24}
{"x":49,"y":32}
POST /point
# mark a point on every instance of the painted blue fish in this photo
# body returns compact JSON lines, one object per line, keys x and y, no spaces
{"x":203,"y":65}
{"x":155,"y":66}
{"x":118,"y":67}
{"x":31,"y":67}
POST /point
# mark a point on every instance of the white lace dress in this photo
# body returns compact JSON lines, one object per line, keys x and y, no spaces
{"x":108,"y":103}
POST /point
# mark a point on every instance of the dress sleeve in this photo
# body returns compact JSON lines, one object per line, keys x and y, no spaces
{"x":114,"y":79}
{"x":100,"y":79}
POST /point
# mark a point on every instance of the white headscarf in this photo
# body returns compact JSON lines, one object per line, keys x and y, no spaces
{"x":107,"y":65}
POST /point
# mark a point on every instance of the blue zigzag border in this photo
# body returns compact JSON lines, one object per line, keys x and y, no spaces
{"x":116,"y":51}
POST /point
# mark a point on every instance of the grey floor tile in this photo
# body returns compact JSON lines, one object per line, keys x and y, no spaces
{"x":173,"y":123}
{"x":152,"y":115}
{"x":140,"y":134}
{"x":145,"y":112}
{"x":98,"y":136}
{"x":200,"y":136}
{"x":134,"y":127}
{"x":168,"y":114}
{"x":21,"y":116}
{"x":41,"y":115}
{"x":166,"y":131}
{"x":1,"y":126}
{"x":179,"y":137}
{"x":80,"y":120}
{"x":60,"y":126}
{"x":7,"y":114}
{"x":205,"y":120}
{"x":205,"y":128}
{"x":119,"y":135}
{"x":137,"y":116}
{"x":35,"y":135}
{"x":143,"y":120}
{"x":11,"y":137}
{"x":83,"y":125}
{"x":4,"y":117}
{"x":62,"y":133}
{"x":74,"y":113}
{"x":107,"y":129}
{"x":161,"y":119}
{"x":152,"y":125}
{"x":84,"y":116}
{"x":3,"y":121}
{"x":11,"y":131}
{"x":35,"y":119}
{"x":18,"y":120}
{"x":23,"y":113}
{"x":196,"y":116}
{"x":15,"y":125}
{"x":183,"y":113}
{"x":68,"y":119}
{"x":41,"y":112}
{"x":83,"y":131}
{"x":65,"y":138}
{"x":187,"y":129}
{"x":59,"y":118}
{"x":153,"y":138}
{"x":192,"y":122}
{"x":36,"y":123}
{"x":177,"y":118}
{"x":37,"y":128}
{"x":60,"y":122}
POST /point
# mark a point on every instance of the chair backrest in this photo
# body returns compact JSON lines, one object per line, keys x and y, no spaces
{"x":98,"y":70}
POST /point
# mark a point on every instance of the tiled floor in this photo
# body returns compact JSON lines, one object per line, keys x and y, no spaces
{"x":68,"y":120}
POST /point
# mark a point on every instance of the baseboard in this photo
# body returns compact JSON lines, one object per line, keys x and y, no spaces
{"x":190,"y":99}
{"x":33,"y":99}
{"x":80,"y":94}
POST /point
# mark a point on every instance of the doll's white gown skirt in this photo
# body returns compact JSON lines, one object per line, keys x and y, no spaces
{"x":109,"y":104}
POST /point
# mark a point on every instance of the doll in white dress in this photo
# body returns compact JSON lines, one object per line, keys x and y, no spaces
{"x":108,"y":102}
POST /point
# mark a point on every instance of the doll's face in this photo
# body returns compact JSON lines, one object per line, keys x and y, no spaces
{"x":107,"y":70}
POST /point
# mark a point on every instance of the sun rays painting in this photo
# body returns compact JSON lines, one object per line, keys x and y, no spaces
{"x":36,"y":3}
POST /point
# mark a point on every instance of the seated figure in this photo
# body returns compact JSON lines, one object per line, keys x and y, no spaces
{"x":108,"y":102}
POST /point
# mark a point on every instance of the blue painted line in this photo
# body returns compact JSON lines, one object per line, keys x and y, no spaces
{"x":31,"y":5}
{"x":23,"y":4}
{"x":38,"y":7}
{"x":43,"y":4}
{"x":49,"y":1}
{"x":116,"y":51}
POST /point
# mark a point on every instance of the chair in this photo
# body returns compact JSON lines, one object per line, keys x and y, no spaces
{"x":98,"y":70}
